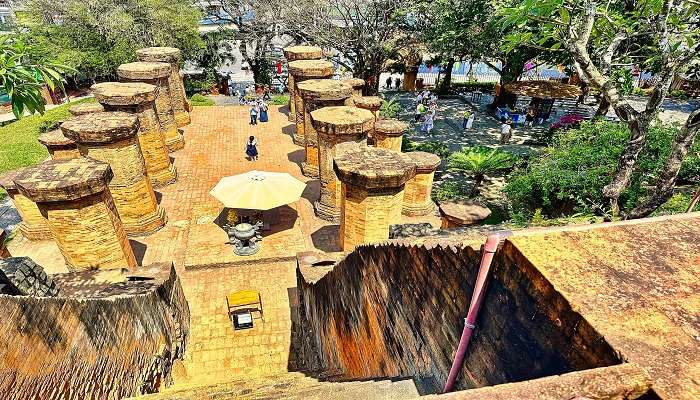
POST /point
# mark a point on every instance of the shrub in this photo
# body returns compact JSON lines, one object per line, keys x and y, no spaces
{"x":446,"y":191}
{"x":200,"y":84}
{"x":679,"y":94}
{"x":438,"y":148}
{"x":200,"y":101}
{"x":474,"y":85}
{"x":568,"y":177}
{"x":480,"y":161}
{"x":678,"y":203}
{"x":690,"y":170}
{"x":280,"y":99}
{"x":390,"y":108}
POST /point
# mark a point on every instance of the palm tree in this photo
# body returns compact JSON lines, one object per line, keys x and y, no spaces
{"x":480,"y":161}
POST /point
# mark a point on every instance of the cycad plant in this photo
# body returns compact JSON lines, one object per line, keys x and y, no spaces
{"x":480,"y":161}
{"x":390,"y":108}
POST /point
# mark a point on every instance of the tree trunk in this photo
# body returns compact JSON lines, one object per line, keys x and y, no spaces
{"x":603,"y":107}
{"x":667,"y":179}
{"x":447,"y":80}
{"x":409,"y":79}
{"x":510,"y":72}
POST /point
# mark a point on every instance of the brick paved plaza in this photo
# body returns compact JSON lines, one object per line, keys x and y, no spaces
{"x":215,"y":144}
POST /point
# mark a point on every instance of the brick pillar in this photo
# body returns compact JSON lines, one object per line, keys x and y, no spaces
{"x":388,"y":133}
{"x":336,"y":126}
{"x":33,"y":226}
{"x":139,"y":99}
{"x":357,"y":85}
{"x":416,"y":196}
{"x":303,"y":70}
{"x":59,"y":146}
{"x":85,"y":108}
{"x":372,"y":193}
{"x":373,"y":104}
{"x":74,"y":197}
{"x":318,"y":93}
{"x":4,"y":253}
{"x":296,"y":53}
{"x":111,"y":137}
{"x":156,"y":74}
{"x":178,"y":97}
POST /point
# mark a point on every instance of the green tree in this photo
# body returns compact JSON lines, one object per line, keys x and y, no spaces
{"x":480,"y":161}
{"x":23,"y":76}
{"x":365,"y":34}
{"x":662,"y":36}
{"x":95,"y":36}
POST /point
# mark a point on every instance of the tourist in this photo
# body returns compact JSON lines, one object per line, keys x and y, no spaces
{"x":506,"y":131}
{"x":253,"y":114}
{"x":428,"y":121}
{"x":251,"y":149}
{"x":419,"y":111}
{"x":262,"y":106}
{"x":388,"y":83}
{"x":266,"y":93}
{"x":468,"y":119}
{"x":530,"y":117}
{"x":397,"y":83}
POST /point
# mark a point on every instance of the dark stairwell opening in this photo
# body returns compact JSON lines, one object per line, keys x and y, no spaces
{"x":397,"y":311}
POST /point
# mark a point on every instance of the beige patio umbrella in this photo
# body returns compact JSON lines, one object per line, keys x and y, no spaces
{"x":258,"y":190}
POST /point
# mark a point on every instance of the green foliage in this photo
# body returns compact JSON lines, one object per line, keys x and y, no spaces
{"x":96,"y":36}
{"x":679,"y":94}
{"x":624,"y":79}
{"x":280,"y":100}
{"x":19,"y":146}
{"x":480,"y":161}
{"x":475,"y":85}
{"x":690,"y":169}
{"x":438,"y":148}
{"x":407,"y":144}
{"x":568,"y":177}
{"x":23,"y":76}
{"x":218,"y":49}
{"x":199,"y":101}
{"x":446,"y":191}
{"x":390,"y":108}
{"x":677,"y":204}
{"x":200,"y":83}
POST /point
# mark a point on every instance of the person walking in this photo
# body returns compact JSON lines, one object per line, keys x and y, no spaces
{"x":397,"y":83}
{"x":253,"y":114}
{"x":468,"y":119}
{"x":529,"y":117}
{"x":251,"y":148}
{"x":388,"y":83}
{"x":263,"y":111}
{"x":506,"y":131}
{"x":428,"y":122}
{"x":420,"y":108}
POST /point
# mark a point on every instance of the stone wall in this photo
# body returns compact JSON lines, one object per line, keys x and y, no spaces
{"x":397,"y":310}
{"x":102,"y":341}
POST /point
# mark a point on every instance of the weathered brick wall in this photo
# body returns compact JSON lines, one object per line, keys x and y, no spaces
{"x":398,"y":310}
{"x":101,"y":348}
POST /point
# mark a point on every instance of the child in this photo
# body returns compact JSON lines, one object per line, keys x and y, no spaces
{"x":468,"y":120}
{"x":251,"y":149}
{"x":428,"y":124}
{"x":253,"y":114}
{"x":420,"y":109}
{"x":506,"y":131}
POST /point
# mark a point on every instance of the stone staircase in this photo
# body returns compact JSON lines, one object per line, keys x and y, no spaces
{"x":293,"y":385}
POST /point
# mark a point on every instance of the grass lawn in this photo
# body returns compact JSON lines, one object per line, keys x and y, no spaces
{"x":19,"y":146}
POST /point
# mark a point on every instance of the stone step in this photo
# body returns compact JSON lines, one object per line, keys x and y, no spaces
{"x":291,"y":386}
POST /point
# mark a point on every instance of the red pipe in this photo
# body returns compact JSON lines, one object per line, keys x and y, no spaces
{"x":487,"y":252}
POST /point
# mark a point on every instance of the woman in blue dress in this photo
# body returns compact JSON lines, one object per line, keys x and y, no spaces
{"x":263,"y":111}
{"x":251,"y":149}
